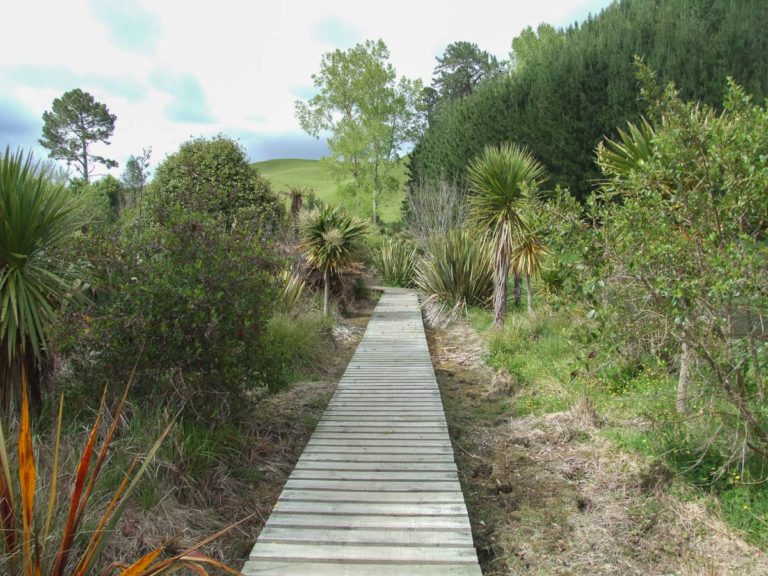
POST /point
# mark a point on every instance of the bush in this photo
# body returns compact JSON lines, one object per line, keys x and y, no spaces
{"x":214,"y":177}
{"x":395,"y":261}
{"x":187,"y":303}
{"x":456,"y":272}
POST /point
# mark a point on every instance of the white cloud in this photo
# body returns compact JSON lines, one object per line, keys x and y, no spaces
{"x":251,"y":58}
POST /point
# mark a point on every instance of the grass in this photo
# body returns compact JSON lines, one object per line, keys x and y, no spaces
{"x":552,"y":367}
{"x":287,"y":173}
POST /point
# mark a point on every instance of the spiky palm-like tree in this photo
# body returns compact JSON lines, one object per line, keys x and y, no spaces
{"x":36,"y":217}
{"x":528,"y":257}
{"x":330,"y":238}
{"x":498,"y":179}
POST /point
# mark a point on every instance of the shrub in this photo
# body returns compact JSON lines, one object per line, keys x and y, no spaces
{"x":213,"y":177}
{"x":455,"y":273}
{"x":188,"y":303}
{"x":395,"y":261}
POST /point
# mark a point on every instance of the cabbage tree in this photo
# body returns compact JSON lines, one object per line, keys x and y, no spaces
{"x":330,"y":238}
{"x":37,"y":216}
{"x":498,"y":179}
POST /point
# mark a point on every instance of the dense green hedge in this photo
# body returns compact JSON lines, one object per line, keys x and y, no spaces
{"x":569,"y":88}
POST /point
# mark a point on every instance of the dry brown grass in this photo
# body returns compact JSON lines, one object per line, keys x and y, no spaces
{"x":548,"y":495}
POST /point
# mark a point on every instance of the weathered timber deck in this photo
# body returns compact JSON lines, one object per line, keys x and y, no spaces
{"x":376,"y":491}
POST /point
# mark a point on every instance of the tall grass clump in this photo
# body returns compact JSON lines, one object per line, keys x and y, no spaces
{"x":296,"y":344}
{"x":456,"y":272}
{"x":396,"y":261}
{"x":51,"y":533}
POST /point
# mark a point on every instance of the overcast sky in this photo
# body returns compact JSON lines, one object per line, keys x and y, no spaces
{"x":172,"y":69}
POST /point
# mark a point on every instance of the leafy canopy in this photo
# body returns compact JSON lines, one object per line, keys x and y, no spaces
{"x":330,"y":237}
{"x":368,"y":113}
{"x":75,"y":122}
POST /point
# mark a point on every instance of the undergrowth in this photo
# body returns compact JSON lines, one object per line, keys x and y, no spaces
{"x":553,"y":363}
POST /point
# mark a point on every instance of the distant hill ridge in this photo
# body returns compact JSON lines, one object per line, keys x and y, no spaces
{"x":287,"y":173}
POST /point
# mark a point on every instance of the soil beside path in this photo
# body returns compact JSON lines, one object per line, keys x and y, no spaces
{"x":548,"y":495}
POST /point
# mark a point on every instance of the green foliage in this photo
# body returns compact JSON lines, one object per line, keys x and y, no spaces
{"x":569,"y":88}
{"x":455,"y":273}
{"x":75,"y":122}
{"x":499,"y":179}
{"x":214,"y":177}
{"x":37,"y":217}
{"x":297,"y":344}
{"x":369,"y":113}
{"x":293,"y":288}
{"x":135,"y":176}
{"x":396,"y":261}
{"x":458,"y":72}
{"x":681,"y":253}
{"x":330,"y":238}
{"x":187,"y":304}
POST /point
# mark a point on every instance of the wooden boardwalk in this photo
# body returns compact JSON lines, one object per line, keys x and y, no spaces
{"x":376,"y":491}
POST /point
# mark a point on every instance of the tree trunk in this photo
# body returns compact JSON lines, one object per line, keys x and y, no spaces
{"x":85,"y":160}
{"x":501,"y":275}
{"x":682,"y":380}
{"x":374,"y":206}
{"x":327,"y":279}
{"x":518,"y":288}
{"x":530,"y":296}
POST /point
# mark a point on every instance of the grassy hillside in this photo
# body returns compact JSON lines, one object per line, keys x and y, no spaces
{"x":291,"y":172}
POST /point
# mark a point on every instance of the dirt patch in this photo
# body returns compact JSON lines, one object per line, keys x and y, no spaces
{"x":548,"y":495}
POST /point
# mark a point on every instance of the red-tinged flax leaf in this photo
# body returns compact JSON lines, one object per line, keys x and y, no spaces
{"x":53,"y":493}
{"x":138,"y":567}
{"x":134,"y":482}
{"x":199,"y":558}
{"x":196,"y":568}
{"x":70,"y":529}
{"x":105,"y":447}
{"x":7,"y":511}
{"x":192,"y":553}
{"x":83,"y":566}
{"x":27,"y":477}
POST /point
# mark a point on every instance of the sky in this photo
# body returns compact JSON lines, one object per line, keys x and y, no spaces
{"x":171,"y":70}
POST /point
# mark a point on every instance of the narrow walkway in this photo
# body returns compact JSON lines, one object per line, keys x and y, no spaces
{"x":376,"y":491}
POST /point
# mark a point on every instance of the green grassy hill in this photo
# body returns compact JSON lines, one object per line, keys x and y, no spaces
{"x":286,"y":173}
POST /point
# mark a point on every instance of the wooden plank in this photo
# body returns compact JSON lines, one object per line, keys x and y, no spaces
{"x":376,"y":490}
{"x":377,"y":521}
{"x":370,"y":537}
{"x":390,"y":475}
{"x":270,"y":568}
{"x":343,"y":457}
{"x":377,"y":466}
{"x":360,"y":553}
{"x":376,"y":486}
{"x":373,"y":497}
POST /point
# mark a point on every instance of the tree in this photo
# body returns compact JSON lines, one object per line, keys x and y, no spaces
{"x":330,"y":238}
{"x":459,"y":70}
{"x":568,"y":88}
{"x":498,"y":179}
{"x":75,"y":122}
{"x":136,"y":174}
{"x":369,"y":113}
{"x":36,"y":217}
{"x":681,"y":252}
